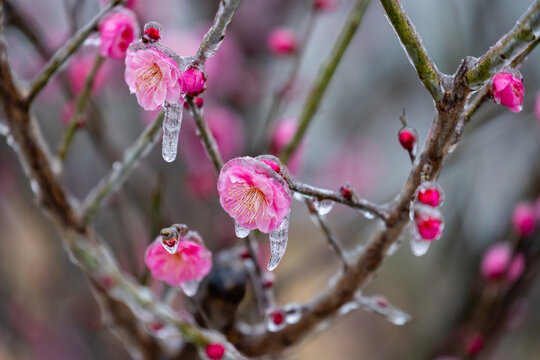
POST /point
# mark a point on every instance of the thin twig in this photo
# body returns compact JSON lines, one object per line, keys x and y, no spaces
{"x":64,"y":53}
{"x":426,"y":69}
{"x":325,"y":75}
{"x":332,"y":240}
{"x":120,"y":171}
{"x":508,"y":47}
{"x":80,"y":104}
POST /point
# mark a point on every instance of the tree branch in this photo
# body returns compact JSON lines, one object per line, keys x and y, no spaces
{"x":426,"y":69}
{"x":325,"y":75}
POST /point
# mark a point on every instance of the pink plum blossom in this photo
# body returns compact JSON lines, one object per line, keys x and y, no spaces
{"x":282,"y":134}
{"x":153,"y":77}
{"x":498,"y":262}
{"x":282,"y":41}
{"x":116,"y":32}
{"x":253,"y":194}
{"x":507,"y":89}
{"x":524,"y":219}
{"x":191,"y":262}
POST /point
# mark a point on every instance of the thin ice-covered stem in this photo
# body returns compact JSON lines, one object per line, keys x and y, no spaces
{"x":215,"y":35}
{"x":332,"y":239}
{"x":409,"y":37}
{"x":526,"y":31}
{"x":65,"y":52}
{"x":80,"y":104}
{"x":325,"y":194}
{"x":324,"y":76}
{"x":120,"y":171}
{"x":205,"y":134}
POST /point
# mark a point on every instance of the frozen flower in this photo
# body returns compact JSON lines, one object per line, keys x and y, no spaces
{"x":192,"y":261}
{"x":498,"y":262}
{"x":408,"y":137}
{"x":253,"y":194}
{"x":507,"y":89}
{"x":282,"y":135}
{"x":524,"y":219}
{"x":153,"y":77}
{"x":282,"y":42}
{"x":215,"y":351}
{"x":116,"y":32}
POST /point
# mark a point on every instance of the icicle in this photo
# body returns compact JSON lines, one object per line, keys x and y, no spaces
{"x":419,"y":246}
{"x":171,"y":245}
{"x":171,"y":130}
{"x":323,"y":207}
{"x":190,"y":287}
{"x":278,"y":243}
{"x":241,"y":231}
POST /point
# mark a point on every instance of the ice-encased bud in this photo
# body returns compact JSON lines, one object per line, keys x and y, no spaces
{"x":153,"y":31}
{"x":430,"y":193}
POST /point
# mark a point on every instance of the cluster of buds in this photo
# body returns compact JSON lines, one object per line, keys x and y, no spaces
{"x":428,"y":221}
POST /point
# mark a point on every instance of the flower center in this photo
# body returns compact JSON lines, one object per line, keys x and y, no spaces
{"x":148,"y":77}
{"x":247,"y":201}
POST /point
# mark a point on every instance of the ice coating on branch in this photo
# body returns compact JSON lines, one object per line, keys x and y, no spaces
{"x":293,"y":313}
{"x":278,"y":243}
{"x":381,"y":306}
{"x":323,"y":207}
{"x":171,"y":130}
{"x":214,"y":37}
{"x":240,"y":231}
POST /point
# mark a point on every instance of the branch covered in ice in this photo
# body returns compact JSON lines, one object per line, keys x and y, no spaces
{"x":413,"y":46}
{"x":509,"y":47}
{"x":214,"y":37}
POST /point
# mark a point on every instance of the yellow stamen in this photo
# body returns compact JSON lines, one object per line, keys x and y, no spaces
{"x":147,"y":77}
{"x":246,"y":200}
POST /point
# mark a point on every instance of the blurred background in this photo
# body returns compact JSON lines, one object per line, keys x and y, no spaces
{"x":46,"y":308}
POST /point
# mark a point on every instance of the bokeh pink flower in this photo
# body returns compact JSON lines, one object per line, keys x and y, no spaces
{"x":153,"y":77}
{"x":79,"y":68}
{"x":524,"y":219}
{"x":191,"y":262}
{"x":282,"y":135}
{"x":253,"y":194}
{"x":116,"y":32}
{"x":507,"y":89}
{"x":282,"y":41}
{"x":498,"y":263}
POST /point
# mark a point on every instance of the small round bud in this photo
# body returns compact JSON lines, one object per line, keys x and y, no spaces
{"x":428,"y":222}
{"x":153,"y":30}
{"x":282,"y":42}
{"x":194,"y":81}
{"x":430,"y":193}
{"x":408,"y":137}
{"x":346,"y":191}
{"x":215,"y":351}
{"x":524,"y":219}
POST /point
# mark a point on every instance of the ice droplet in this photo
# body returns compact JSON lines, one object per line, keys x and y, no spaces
{"x":171,"y":130}
{"x":398,"y":317}
{"x":367,"y":214}
{"x":293,"y":313}
{"x":323,"y":207}
{"x":419,"y":246}
{"x":278,"y":243}
{"x":275,"y":320}
{"x":190,"y":287}
{"x":171,"y":245}
{"x":241,"y":231}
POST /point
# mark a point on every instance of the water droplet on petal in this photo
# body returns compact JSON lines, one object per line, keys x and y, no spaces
{"x":241,"y":231}
{"x":278,"y":243}
{"x":171,"y":130}
{"x":190,"y":287}
{"x":171,"y":245}
{"x":419,"y":246}
{"x":323,"y":207}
